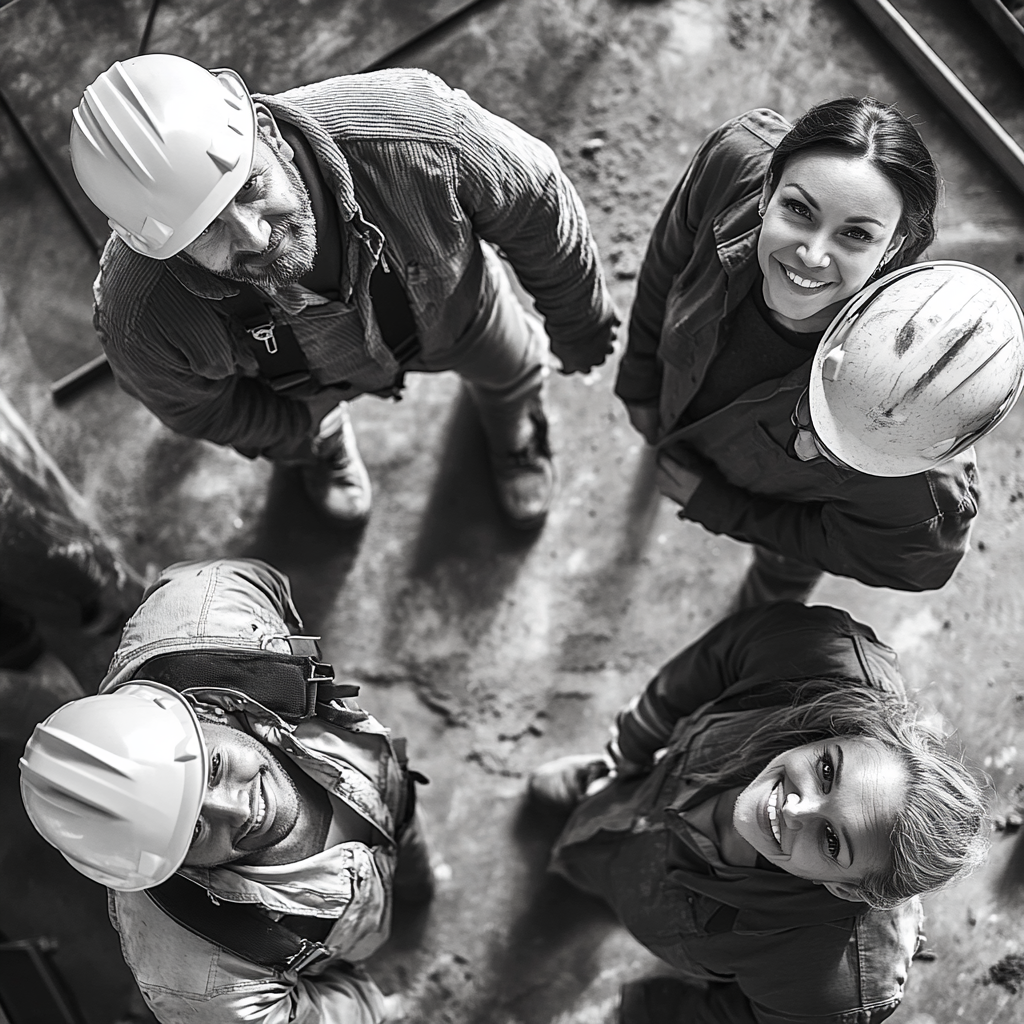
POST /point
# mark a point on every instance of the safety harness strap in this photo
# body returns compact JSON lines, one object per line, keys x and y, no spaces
{"x":242,"y":929}
{"x":295,"y":686}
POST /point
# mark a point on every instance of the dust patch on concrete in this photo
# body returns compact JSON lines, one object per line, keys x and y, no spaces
{"x":444,"y":990}
{"x":493,"y":763}
{"x":1008,"y":972}
{"x":748,"y":22}
{"x":586,"y":652}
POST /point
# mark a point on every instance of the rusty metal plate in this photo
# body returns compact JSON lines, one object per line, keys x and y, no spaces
{"x":50,"y":50}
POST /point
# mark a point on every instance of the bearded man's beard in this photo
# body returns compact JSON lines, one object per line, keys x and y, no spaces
{"x":300,"y":230}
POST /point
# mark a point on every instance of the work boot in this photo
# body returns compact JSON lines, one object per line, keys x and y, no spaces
{"x":337,"y":483}
{"x":561,"y":784}
{"x":414,"y":874}
{"x":525,"y":474}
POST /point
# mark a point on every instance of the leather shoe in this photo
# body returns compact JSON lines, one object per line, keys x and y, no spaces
{"x":525,"y":476}
{"x":338,"y":483}
{"x":564,"y":782}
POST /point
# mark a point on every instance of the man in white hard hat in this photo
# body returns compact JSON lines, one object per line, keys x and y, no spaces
{"x":276,"y":256}
{"x":252,"y":852}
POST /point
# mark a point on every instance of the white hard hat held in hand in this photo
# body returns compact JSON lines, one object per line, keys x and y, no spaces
{"x":161,"y":146}
{"x":916,"y":368}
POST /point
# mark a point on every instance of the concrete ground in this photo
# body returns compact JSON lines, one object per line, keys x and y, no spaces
{"x":492,"y":650}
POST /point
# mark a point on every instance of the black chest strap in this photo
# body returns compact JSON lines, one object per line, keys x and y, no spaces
{"x":295,"y":686}
{"x":281,"y":361}
{"x":289,"y":944}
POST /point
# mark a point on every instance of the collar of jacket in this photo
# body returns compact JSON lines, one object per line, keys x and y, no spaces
{"x":736,"y":230}
{"x":765,"y":901}
{"x":333,"y":165}
{"x":272,"y":730}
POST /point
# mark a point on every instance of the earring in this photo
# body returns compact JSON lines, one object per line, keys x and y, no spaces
{"x":881,"y":266}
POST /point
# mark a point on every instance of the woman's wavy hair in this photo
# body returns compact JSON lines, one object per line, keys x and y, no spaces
{"x":881,"y":134}
{"x":936,"y":837}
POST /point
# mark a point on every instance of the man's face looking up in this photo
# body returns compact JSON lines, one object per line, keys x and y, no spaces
{"x":253,"y":811}
{"x":266,"y":235}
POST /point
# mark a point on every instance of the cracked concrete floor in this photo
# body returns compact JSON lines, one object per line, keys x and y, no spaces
{"x":493,"y":651}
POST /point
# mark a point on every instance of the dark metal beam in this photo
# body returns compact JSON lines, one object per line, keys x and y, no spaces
{"x":958,"y":100}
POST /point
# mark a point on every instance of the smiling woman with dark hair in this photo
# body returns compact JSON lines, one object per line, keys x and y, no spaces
{"x":773,"y":228}
{"x":767,"y":813}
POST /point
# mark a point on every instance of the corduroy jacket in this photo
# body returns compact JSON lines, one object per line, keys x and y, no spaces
{"x":420,"y":173}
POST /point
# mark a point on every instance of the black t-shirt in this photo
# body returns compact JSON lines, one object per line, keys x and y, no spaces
{"x":756,"y":350}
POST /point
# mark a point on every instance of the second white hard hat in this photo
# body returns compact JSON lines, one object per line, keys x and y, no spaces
{"x":916,"y":368}
{"x":161,"y":146}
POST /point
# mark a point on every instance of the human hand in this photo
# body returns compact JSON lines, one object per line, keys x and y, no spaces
{"x":675,"y":480}
{"x":644,"y":419}
{"x":396,"y":1008}
{"x":585,"y":357}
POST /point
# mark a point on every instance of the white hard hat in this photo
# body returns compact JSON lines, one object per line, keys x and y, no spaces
{"x":116,"y":782}
{"x":916,"y":368}
{"x":161,"y":146}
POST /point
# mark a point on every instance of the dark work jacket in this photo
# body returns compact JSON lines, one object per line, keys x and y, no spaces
{"x":903,"y":532}
{"x":785,"y":950}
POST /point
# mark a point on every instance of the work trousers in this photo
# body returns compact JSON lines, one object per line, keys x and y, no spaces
{"x":775,"y":577}
{"x":501,"y":356}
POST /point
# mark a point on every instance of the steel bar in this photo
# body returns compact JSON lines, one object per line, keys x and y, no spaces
{"x":1004,"y":24}
{"x":73,"y":382}
{"x":958,"y":100}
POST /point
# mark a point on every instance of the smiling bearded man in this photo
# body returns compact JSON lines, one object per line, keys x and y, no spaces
{"x":362,"y":217}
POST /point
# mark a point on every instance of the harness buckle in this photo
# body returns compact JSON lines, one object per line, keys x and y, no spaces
{"x":265,"y":334}
{"x":309,"y":953}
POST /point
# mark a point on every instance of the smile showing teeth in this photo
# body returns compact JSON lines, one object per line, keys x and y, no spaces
{"x":773,"y":812}
{"x":803,"y":282}
{"x":261,"y":811}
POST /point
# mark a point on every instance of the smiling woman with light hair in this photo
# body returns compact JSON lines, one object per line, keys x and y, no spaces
{"x":765,"y":818}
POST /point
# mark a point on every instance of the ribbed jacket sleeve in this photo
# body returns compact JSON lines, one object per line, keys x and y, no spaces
{"x":516,"y":196}
{"x":170,"y":352}
{"x":914,"y":556}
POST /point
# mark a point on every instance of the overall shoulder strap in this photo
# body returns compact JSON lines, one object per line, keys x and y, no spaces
{"x":394,"y":314}
{"x":281,"y":361}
